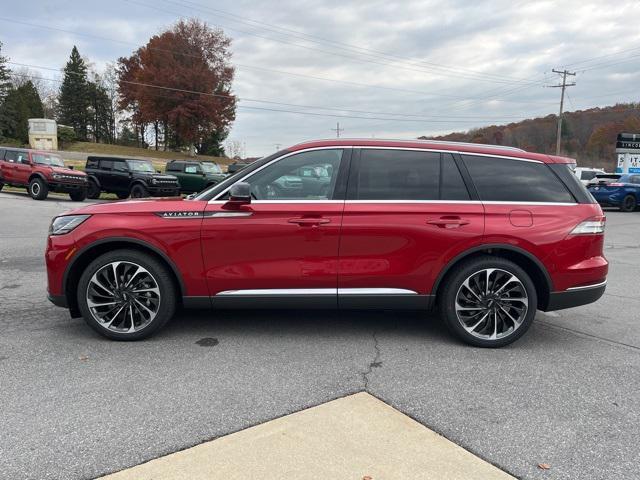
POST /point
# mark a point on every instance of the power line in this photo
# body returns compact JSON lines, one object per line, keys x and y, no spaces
{"x":320,"y":40}
{"x":337,"y":130}
{"x":564,"y":86}
{"x":328,"y":52}
{"x":251,"y":67}
{"x":299,"y":112}
{"x":316,"y":107}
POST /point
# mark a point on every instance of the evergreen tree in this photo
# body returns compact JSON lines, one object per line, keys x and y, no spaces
{"x":21,"y":104}
{"x":5,"y":85}
{"x":74,"y":102}
{"x":101,"y":114}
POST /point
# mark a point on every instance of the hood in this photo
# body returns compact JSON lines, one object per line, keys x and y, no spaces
{"x":159,"y":176}
{"x":140,"y":206}
{"x":67,"y":171}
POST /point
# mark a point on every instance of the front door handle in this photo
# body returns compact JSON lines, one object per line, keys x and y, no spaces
{"x":309,"y":221}
{"x":448,"y":222}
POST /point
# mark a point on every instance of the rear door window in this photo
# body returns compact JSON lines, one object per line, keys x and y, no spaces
{"x":509,"y":180}
{"x":398,"y":175}
{"x":409,"y":175}
{"x":106,"y":164}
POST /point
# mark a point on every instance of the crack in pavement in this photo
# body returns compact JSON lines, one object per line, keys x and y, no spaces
{"x":376,"y":363}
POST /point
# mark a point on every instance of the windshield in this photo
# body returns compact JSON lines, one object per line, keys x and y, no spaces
{"x":211,"y":167}
{"x":140,"y":166}
{"x":48,"y":159}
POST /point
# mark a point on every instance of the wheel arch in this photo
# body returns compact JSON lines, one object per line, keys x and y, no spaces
{"x":38,"y":175}
{"x":90,"y":252}
{"x":532,"y":265}
{"x":95,"y":180}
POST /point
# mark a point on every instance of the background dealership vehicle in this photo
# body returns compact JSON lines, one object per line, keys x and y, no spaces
{"x":128,"y":177}
{"x":402,"y":224}
{"x":195,"y":176}
{"x":586,"y":174}
{"x":615,"y":190}
{"x":40,"y":172}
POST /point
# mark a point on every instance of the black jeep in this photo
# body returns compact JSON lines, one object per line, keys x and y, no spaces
{"x":125,"y":176}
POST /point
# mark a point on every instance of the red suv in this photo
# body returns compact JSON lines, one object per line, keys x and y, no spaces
{"x":40,"y":172}
{"x":486,"y":234}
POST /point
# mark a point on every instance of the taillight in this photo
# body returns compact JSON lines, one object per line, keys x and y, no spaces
{"x":591,"y":226}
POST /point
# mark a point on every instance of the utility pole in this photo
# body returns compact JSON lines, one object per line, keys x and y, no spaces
{"x":563,"y":85}
{"x":338,"y":130}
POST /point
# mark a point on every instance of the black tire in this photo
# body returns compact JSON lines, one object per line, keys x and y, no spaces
{"x":167,"y":297}
{"x":38,"y":189}
{"x":138,"y":191}
{"x":1,"y":185}
{"x":628,"y":204}
{"x":79,"y":196}
{"x":93,"y":190}
{"x":454,"y":285}
{"x":122,"y":195}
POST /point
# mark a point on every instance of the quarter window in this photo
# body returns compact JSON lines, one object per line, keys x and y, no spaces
{"x":506,"y":180}
{"x":286,"y":178}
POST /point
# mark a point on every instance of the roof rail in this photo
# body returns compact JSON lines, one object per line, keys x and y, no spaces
{"x":438,"y":142}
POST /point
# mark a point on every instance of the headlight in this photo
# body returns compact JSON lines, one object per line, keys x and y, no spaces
{"x":65,"y":224}
{"x":57,"y":176}
{"x":154,"y":181}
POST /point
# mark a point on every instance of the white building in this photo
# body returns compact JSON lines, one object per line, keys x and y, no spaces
{"x":43,"y":134}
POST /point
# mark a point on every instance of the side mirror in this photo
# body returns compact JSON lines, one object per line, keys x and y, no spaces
{"x":240,"y":193}
{"x":70,"y":167}
{"x":158,"y":171}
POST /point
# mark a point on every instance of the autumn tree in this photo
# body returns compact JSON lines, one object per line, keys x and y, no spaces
{"x":180,"y":83}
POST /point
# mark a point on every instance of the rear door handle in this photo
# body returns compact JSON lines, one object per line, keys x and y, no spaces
{"x":448,"y":222}
{"x":309,"y":221}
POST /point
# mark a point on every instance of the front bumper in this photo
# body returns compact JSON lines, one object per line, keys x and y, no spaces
{"x":163,"y":191}
{"x":574,"y":297}
{"x":67,"y":187}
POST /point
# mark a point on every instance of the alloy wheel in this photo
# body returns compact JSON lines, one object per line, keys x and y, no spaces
{"x":491,"y":304}
{"x":123,"y":297}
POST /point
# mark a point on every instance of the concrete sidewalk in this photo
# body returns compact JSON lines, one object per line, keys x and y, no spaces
{"x":355,"y":437}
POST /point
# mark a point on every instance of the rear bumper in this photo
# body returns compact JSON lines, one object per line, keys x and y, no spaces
{"x":574,"y":297}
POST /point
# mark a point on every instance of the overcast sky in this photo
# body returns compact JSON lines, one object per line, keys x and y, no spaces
{"x":411,"y":68}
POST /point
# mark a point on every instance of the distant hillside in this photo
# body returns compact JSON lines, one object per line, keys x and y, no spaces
{"x":587,"y":135}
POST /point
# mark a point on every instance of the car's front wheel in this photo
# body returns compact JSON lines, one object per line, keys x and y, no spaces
{"x":488,"y":301}
{"x":78,"y":196}
{"x":38,"y":189}
{"x":126,"y":295}
{"x":138,"y":191}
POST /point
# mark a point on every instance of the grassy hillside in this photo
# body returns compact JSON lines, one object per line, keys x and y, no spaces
{"x":588,"y":135}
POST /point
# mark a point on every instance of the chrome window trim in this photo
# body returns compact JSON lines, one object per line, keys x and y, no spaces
{"x":586,"y":287}
{"x":459,"y":202}
{"x":500,"y":156}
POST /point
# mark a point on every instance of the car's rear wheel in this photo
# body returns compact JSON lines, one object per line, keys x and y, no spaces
{"x":138,"y":191}
{"x":126,"y":295}
{"x":488,"y":301}
{"x":38,"y":189}
{"x":93,"y":190}
{"x":78,"y":196}
{"x":628,"y":204}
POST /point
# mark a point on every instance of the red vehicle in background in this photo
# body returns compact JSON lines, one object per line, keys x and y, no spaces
{"x":40,"y":172}
{"x":485,"y":234}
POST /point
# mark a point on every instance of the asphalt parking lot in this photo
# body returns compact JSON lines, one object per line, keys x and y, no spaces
{"x":75,"y":405}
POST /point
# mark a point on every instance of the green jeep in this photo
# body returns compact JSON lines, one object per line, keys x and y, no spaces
{"x":195,"y":176}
